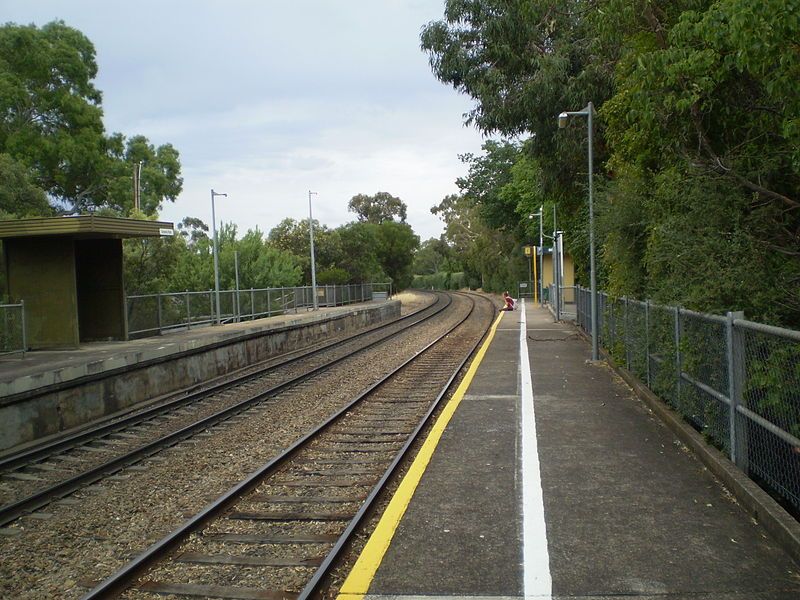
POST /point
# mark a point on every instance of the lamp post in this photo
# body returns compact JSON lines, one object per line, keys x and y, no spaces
{"x":588,"y":112}
{"x":313,"y":266}
{"x":540,"y":252}
{"x":216,"y":253}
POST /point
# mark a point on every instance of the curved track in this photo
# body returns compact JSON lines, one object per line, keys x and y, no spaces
{"x":104,"y":450}
{"x":306,"y":502}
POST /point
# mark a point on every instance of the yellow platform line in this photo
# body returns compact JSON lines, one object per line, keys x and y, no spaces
{"x":357,"y":584}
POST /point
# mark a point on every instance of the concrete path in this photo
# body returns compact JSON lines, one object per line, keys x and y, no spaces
{"x":628,"y":511}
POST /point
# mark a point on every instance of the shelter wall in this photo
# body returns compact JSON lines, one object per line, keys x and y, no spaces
{"x":42,"y":272}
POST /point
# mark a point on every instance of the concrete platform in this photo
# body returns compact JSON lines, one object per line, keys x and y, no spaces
{"x":48,"y":392}
{"x":594,"y":498}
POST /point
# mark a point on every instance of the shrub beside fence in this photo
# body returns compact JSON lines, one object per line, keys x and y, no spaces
{"x":153,"y":314}
{"x":734,"y":380}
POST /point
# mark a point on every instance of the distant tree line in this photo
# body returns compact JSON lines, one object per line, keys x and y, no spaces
{"x":697,"y":145}
{"x":375,"y":248}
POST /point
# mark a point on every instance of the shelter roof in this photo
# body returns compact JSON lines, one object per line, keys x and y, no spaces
{"x":85,"y":226}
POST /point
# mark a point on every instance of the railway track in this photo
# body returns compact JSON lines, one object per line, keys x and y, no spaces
{"x":34,"y":478}
{"x":277,"y":533}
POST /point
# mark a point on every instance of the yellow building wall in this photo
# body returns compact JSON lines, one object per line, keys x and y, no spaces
{"x":547,"y":270}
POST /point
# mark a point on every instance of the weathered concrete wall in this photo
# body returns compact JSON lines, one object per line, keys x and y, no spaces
{"x":29,"y":416}
{"x":41,"y":271}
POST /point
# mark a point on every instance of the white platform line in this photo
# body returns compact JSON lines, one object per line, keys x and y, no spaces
{"x":535,"y":558}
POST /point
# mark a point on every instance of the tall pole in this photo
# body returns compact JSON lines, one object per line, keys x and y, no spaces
{"x":236,"y":273}
{"x":592,"y":270}
{"x":313,"y":266}
{"x":216,"y":254}
{"x":588,"y":112}
{"x":541,"y":257}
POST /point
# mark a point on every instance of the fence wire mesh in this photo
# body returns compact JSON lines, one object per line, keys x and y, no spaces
{"x":735,"y":381}
{"x":769,"y":379}
{"x":152,"y":314}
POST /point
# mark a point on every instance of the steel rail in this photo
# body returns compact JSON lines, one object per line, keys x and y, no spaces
{"x":122,"y":579}
{"x":341,"y":544}
{"x":42,"y":451}
{"x":14,"y":510}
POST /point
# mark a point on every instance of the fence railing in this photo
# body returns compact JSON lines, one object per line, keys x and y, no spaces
{"x":735,"y":381}
{"x":561,"y":301}
{"x":13,"y":337}
{"x":153,"y":314}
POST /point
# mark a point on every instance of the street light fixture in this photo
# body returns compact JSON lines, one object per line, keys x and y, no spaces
{"x":313,"y":266}
{"x":216,"y":253}
{"x":588,"y":112}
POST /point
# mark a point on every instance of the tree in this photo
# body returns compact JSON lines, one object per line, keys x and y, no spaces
{"x":395,"y":250}
{"x":377,"y":209}
{"x":160,"y":174}
{"x":19,"y":196}
{"x":51,"y":118}
{"x":359,"y":256}
{"x":293,"y":236}
{"x":696,"y":144}
{"x":52,"y":123}
{"x":193,"y":229}
{"x":431,"y":257}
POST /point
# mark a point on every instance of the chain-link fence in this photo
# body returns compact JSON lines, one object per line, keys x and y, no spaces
{"x":562,"y":301}
{"x":12,"y":329}
{"x":735,"y":381}
{"x":153,"y":314}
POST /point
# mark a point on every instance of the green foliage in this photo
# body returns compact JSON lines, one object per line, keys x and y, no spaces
{"x":396,"y":243}
{"x":51,"y":115}
{"x":19,"y":196}
{"x":378,"y":208}
{"x":440,"y":281}
{"x":333,"y":276}
{"x":697,"y":143}
{"x":160,"y":174}
{"x":185,"y":262}
{"x":52,"y":123}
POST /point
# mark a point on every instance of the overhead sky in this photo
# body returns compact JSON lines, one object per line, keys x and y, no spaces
{"x":266,"y":100}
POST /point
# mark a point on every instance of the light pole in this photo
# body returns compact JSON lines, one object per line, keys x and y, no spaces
{"x":313,"y":266}
{"x":588,"y":112}
{"x":540,"y":253}
{"x":216,"y":252}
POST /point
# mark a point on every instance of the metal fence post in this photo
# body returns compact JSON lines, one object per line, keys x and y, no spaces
{"x":612,"y":323}
{"x":647,"y":338}
{"x":626,"y":341}
{"x":158,"y":312}
{"x":24,"y":330}
{"x":269,"y":305}
{"x":188,"y":312}
{"x":678,"y":366}
{"x":734,"y":359}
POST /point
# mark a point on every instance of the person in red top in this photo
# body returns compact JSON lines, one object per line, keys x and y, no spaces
{"x":509,"y":302}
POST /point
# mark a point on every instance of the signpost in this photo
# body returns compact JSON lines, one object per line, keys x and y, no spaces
{"x":530,"y":252}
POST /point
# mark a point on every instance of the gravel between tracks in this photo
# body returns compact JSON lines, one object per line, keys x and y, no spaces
{"x":45,"y":558}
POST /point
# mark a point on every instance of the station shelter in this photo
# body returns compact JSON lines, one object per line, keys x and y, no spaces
{"x":68,"y":271}
{"x":567,"y":271}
